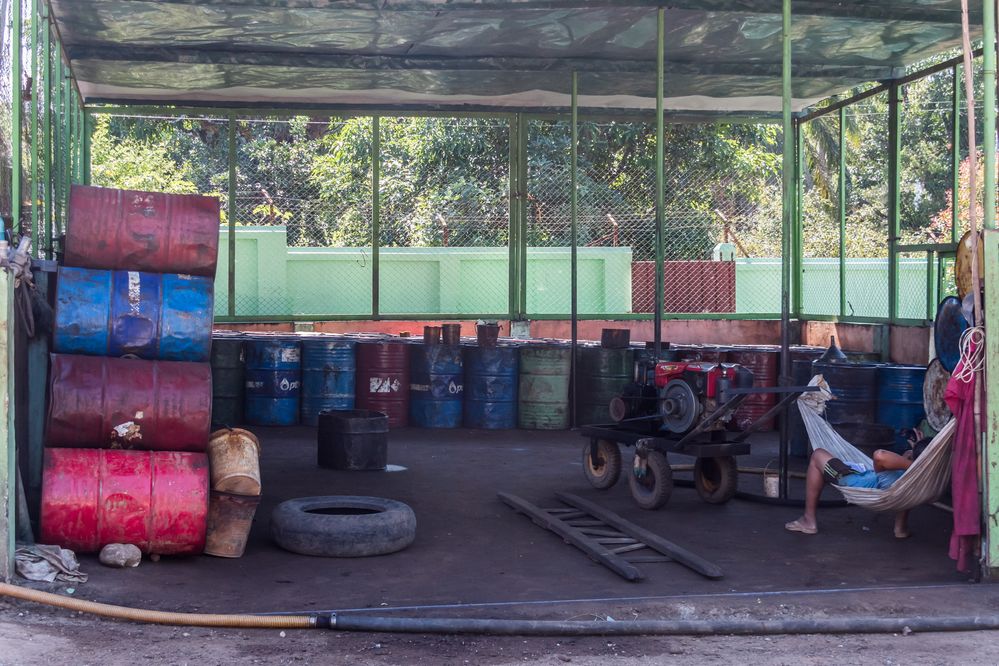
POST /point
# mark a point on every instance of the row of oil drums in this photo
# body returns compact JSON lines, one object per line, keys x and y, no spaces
{"x":282,"y":379}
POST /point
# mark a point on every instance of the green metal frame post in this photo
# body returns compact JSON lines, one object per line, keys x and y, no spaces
{"x":787,"y":206}
{"x":513,"y":232}
{"x":797,"y":264}
{"x":955,"y":147}
{"x":894,"y":150}
{"x":46,"y":105}
{"x":574,"y":233}
{"x":88,"y":137}
{"x":231,"y":214}
{"x":989,"y":112}
{"x":376,"y":206}
{"x":523,"y":136}
{"x":660,"y":182}
{"x":841,"y":211}
{"x":990,"y":450}
{"x":8,"y":449}
{"x":35,"y":85}
{"x":58,"y":147}
{"x":16,"y":140}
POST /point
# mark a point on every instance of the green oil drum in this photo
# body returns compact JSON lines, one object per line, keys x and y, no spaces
{"x":228,"y":368}
{"x":602,"y":374}
{"x":543,"y":402}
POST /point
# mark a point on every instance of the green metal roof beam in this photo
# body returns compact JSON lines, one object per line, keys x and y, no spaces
{"x":109,"y":52}
{"x":862,"y":9}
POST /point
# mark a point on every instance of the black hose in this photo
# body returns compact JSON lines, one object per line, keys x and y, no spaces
{"x":833,"y":625}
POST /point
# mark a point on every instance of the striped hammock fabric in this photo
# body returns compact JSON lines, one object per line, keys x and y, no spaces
{"x":924,"y":481}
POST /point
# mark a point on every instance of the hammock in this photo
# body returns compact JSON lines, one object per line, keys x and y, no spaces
{"x":924,"y":481}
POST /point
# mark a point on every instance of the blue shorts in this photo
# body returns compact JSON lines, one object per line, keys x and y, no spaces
{"x":871,"y":479}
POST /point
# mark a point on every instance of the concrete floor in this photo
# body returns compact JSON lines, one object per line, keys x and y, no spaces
{"x":472,"y":549}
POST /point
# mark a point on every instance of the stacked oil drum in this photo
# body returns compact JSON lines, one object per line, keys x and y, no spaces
{"x":130,"y":387}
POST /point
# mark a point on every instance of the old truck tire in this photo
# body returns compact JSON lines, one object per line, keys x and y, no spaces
{"x":343,"y":526}
{"x":716,"y":479}
{"x":653,"y":490}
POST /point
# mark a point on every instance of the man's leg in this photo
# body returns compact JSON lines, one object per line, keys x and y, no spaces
{"x":902,"y":525}
{"x":814,"y":482}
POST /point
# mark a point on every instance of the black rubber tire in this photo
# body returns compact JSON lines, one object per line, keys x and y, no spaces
{"x":653,"y":490}
{"x":367,"y":526}
{"x":608,"y":471}
{"x":716,"y":479}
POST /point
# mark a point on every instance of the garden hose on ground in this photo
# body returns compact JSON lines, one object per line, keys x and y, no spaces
{"x":494,"y":627}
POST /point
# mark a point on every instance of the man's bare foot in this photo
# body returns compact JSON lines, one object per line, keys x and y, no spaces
{"x":902,"y":533}
{"x":802,"y":525}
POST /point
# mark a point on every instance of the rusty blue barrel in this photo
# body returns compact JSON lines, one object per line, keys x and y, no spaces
{"x":436,"y":386}
{"x":328,"y":375}
{"x":491,"y":378}
{"x":228,"y":379}
{"x":602,"y":375}
{"x":854,"y":387}
{"x":543,"y":392}
{"x":273,"y":380}
{"x":900,"y":396}
{"x":153,"y":316}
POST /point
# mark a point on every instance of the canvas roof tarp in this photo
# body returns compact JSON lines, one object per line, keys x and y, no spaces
{"x":516,"y":54}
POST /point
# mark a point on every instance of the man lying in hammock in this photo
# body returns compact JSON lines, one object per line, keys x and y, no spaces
{"x":824,"y":468}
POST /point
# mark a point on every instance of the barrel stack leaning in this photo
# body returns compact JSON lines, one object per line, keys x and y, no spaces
{"x":130,"y":386}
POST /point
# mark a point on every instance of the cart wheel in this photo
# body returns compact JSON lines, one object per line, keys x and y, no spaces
{"x":653,"y":489}
{"x":607,"y":469}
{"x":716,"y":479}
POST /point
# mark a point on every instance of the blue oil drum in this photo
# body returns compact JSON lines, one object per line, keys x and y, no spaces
{"x":900,"y":398}
{"x":436,"y":385}
{"x":153,"y":316}
{"x":273,"y":380}
{"x":491,"y":379}
{"x":854,"y":387}
{"x":328,"y":374}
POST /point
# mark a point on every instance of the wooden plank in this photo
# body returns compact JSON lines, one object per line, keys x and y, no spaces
{"x":594,"y":551}
{"x":990,"y":421}
{"x":630,"y":548}
{"x":8,"y":460}
{"x":649,"y":559}
{"x":654,"y":541}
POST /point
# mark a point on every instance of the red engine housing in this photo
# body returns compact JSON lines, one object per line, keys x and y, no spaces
{"x":667,"y":370}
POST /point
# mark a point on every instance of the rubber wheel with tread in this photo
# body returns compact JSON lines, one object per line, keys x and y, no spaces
{"x":655,"y":487}
{"x":716,"y":479}
{"x":608,"y":469}
{"x":343,"y":526}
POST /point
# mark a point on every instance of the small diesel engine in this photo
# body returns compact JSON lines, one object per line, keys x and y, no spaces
{"x":682,"y":394}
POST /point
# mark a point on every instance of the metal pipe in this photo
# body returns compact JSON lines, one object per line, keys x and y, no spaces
{"x":376,"y":210}
{"x":88,"y":135}
{"x":15,"y":117}
{"x":513,"y":217}
{"x":989,"y":112}
{"x":894,"y":151}
{"x":231,"y":215}
{"x":574,"y":231}
{"x":841,"y":211}
{"x":787,"y":206}
{"x":797,"y":264}
{"x":35,"y":84}
{"x":48,"y":217}
{"x":660,"y":184}
{"x":955,"y":152}
{"x":523,"y":132}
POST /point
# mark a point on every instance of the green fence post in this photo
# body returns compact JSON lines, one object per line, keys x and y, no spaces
{"x":523,"y":132}
{"x":574,"y":233}
{"x":797,"y":265}
{"x":88,"y":135}
{"x":787,"y":208}
{"x":990,"y":450}
{"x":989,"y":112}
{"x":955,"y":150}
{"x":67,"y":145}
{"x":15,"y":117}
{"x":376,"y":203}
{"x":57,"y":145}
{"x":841,"y":211}
{"x":8,"y":451}
{"x":35,"y":244}
{"x":513,"y":216}
{"x":46,"y":106}
{"x":231,"y":213}
{"x":894,"y":149}
{"x":660,"y":182}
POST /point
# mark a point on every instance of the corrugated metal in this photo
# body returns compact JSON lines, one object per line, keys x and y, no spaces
{"x":155,"y":500}
{"x":436,"y":385}
{"x":491,"y":378}
{"x":273,"y":380}
{"x":128,"y":403}
{"x":383,"y":380}
{"x":149,"y":315}
{"x":329,"y":372}
{"x":142,"y":231}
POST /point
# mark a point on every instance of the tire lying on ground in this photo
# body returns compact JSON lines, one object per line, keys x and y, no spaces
{"x":343,"y":526}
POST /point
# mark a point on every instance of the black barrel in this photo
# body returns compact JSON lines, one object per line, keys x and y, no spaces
{"x":855,"y":387}
{"x":602,"y":374}
{"x":353,"y":439}
{"x":227,"y":380}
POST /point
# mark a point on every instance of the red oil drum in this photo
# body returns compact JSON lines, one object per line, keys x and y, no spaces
{"x":142,"y":231}
{"x":763,"y":362}
{"x":383,"y":380}
{"x":129,"y":404}
{"x":156,"y":500}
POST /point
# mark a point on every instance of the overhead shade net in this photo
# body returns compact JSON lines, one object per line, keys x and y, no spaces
{"x":516,"y":54}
